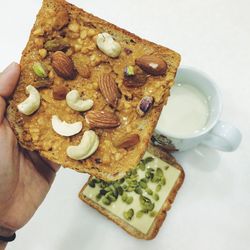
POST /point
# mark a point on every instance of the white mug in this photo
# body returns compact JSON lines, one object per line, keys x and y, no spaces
{"x":215,"y":133}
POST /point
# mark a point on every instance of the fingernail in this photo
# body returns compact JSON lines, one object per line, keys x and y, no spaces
{"x":10,"y":67}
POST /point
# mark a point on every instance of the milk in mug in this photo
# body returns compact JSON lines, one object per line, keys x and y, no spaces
{"x":186,"y":113}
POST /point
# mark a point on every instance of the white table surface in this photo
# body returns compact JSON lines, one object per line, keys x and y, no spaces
{"x":212,"y":209}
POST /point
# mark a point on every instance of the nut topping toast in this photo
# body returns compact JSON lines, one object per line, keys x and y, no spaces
{"x":138,"y":202}
{"x":90,"y":93}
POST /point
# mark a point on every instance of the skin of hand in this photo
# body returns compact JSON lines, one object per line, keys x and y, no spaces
{"x":25,"y":177}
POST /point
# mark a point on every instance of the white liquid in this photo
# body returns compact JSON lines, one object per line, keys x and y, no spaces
{"x":186,"y":112}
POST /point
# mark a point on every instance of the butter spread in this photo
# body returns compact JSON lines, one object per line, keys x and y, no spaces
{"x":117,"y":208}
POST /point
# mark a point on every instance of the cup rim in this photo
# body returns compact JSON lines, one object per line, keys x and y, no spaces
{"x":216,"y":119}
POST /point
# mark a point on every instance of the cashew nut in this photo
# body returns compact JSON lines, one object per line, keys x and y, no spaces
{"x":86,"y":148}
{"x":107,"y":44}
{"x":76,"y":103}
{"x":65,"y":129}
{"x":32,"y":103}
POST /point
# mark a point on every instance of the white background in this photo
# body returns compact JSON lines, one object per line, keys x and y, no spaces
{"x":212,"y":210}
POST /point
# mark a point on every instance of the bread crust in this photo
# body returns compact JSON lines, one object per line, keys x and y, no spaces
{"x":160,"y":217}
{"x":107,"y":171}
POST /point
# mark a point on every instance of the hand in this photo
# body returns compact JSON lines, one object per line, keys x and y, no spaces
{"x":25,"y":177}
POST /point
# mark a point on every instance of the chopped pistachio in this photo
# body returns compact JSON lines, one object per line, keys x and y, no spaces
{"x":98,"y":197}
{"x":121,"y":180}
{"x":156,"y":179}
{"x":147,"y":160}
{"x":159,"y":172}
{"x":158,"y":188}
{"x":156,"y":197}
{"x":163,"y":181}
{"x":149,"y":191}
{"x":130,"y":189}
{"x":166,"y":167}
{"x":92,"y":183}
{"x":111,"y":198}
{"x":129,"y":200}
{"x":56,"y":44}
{"x":125,"y":187}
{"x":120,"y":190}
{"x":128,"y":215}
{"x":145,"y":180}
{"x":139,"y":214}
{"x":146,"y":203}
{"x":138,"y":190}
{"x":152,"y":214}
{"x":124,"y":197}
{"x":142,"y":184}
{"x":141,"y":166}
{"x":106,"y":201}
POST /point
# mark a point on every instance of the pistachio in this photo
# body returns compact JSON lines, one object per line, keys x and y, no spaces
{"x":159,"y":172}
{"x":103,"y":191}
{"x":144,"y":180}
{"x":121,"y":180}
{"x":139,"y":214}
{"x":106,"y":201}
{"x":156,"y":197}
{"x":92,"y":183}
{"x":152,"y":214}
{"x":166,"y":167}
{"x":141,"y":166}
{"x":129,"y":200}
{"x":110,"y":197}
{"x":124,"y":197}
{"x":158,"y":188}
{"x":143,"y":184}
{"x":147,"y":160}
{"x":146,"y":203}
{"x":129,"y":71}
{"x":163,"y":181}
{"x":125,"y":187}
{"x":138,"y":190}
{"x":145,"y":105}
{"x":120,"y":190}
{"x":57,"y":44}
{"x":130,"y":189}
{"x":40,"y":70}
{"x":98,"y":197}
{"x":149,"y":191}
{"x":128,"y":215}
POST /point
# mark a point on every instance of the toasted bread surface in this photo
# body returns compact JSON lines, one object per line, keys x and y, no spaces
{"x":84,"y":195}
{"x":60,"y":26}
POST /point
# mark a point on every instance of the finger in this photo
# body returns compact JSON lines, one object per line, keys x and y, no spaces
{"x":43,"y":168}
{"x":8,"y":79}
{"x":2,"y":109}
{"x":52,"y":165}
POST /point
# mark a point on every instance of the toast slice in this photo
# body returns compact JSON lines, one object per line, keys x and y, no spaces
{"x":113,"y":199}
{"x":91,"y":72}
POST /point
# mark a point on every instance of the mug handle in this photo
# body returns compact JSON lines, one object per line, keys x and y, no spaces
{"x":224,"y":137}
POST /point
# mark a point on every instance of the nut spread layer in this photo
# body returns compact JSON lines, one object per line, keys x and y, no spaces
{"x":90,"y":71}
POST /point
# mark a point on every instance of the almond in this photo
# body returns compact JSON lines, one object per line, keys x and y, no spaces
{"x":127,"y":141}
{"x":102,"y":119}
{"x":109,"y":89}
{"x":59,"y":92}
{"x":152,"y":65}
{"x":63,"y":65}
